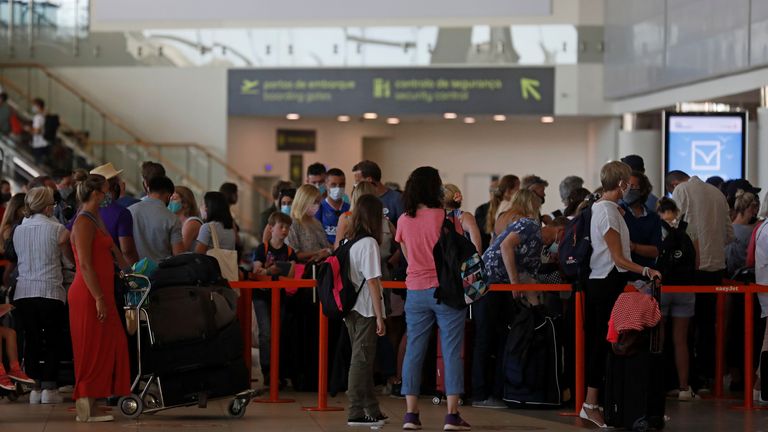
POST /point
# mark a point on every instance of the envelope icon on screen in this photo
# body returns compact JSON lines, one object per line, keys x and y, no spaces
{"x":705,"y":155}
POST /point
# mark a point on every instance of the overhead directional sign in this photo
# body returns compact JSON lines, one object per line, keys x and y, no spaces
{"x":331,"y":92}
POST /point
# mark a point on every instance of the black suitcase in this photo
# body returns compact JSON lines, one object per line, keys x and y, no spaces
{"x":187,"y":269}
{"x":225,"y":347}
{"x":635,"y":395}
{"x":197,"y":386}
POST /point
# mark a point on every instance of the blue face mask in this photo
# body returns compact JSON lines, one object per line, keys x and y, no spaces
{"x":174,"y":206}
{"x":106,"y":201}
{"x":321,"y":188}
{"x":286,"y":209}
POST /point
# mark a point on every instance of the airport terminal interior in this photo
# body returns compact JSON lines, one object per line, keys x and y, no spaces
{"x":191,"y":229}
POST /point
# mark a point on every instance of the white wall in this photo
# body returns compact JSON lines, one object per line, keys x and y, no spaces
{"x":519,"y":146}
{"x":160,"y":104}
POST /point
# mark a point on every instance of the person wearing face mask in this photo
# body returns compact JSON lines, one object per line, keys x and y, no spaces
{"x":40,"y":243}
{"x":538,"y":186}
{"x":609,"y":263}
{"x":156,"y":231}
{"x":333,"y":205}
{"x":99,"y":344}
{"x":316,"y":177}
{"x":117,"y":219}
{"x":644,"y":225}
{"x":275,"y":206}
{"x":184,"y":205}
{"x":307,"y":236}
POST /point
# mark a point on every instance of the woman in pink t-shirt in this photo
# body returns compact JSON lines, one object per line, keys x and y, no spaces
{"x":417,"y":232}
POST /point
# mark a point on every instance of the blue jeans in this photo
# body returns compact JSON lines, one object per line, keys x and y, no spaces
{"x":421,"y":311}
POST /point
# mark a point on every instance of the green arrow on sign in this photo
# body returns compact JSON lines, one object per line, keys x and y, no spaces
{"x":529,"y":86}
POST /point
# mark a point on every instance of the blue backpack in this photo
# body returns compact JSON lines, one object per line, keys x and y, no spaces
{"x":576,"y":248}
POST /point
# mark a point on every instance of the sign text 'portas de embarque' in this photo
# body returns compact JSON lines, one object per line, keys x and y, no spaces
{"x":330,"y":92}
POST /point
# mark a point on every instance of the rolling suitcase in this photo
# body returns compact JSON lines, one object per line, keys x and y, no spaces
{"x":635,"y":397}
{"x":440,"y":371}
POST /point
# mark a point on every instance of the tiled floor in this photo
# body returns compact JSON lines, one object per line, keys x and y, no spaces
{"x":701,"y":416}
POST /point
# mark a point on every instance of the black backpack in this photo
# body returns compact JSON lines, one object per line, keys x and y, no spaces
{"x":335,"y":289}
{"x":461,"y":274}
{"x":51,"y":127}
{"x":576,"y":249}
{"x":677,"y":261}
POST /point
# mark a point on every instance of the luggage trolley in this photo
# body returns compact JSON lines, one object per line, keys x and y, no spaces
{"x":147,"y":395}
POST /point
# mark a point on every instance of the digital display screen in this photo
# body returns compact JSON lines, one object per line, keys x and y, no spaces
{"x":706,"y":144}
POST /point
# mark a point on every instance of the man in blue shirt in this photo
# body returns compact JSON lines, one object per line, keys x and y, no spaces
{"x":333,"y":205}
{"x":392,"y":200}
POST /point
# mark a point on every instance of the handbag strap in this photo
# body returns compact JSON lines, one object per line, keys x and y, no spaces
{"x":214,"y":235}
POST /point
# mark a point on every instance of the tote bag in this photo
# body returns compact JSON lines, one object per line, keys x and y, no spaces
{"x":227,"y":258}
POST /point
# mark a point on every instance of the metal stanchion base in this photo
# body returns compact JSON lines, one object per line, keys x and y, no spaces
{"x":322,"y":409}
{"x":276,"y":401}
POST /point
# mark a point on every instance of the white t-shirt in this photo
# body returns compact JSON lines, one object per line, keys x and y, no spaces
{"x":38,"y":123}
{"x":365,"y":264}
{"x":606,"y":216}
{"x":761,"y":265}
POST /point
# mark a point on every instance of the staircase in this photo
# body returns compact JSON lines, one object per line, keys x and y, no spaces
{"x":95,"y":137}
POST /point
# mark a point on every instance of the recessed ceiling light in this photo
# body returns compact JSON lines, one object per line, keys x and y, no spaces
{"x":499,"y":118}
{"x":450,"y":116}
{"x":370,"y":116}
{"x":547,"y":119}
{"x":393,"y":120}
{"x":343,"y":118}
{"x":469,"y":120}
{"x":293,"y":116}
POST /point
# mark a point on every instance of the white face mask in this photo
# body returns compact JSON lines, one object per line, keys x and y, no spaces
{"x":335,"y":193}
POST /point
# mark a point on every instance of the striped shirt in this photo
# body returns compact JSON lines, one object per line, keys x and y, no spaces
{"x":36,"y":242}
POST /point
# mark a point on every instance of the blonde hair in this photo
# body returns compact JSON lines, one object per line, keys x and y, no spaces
{"x":744,"y":200}
{"x":37,"y":200}
{"x":188,"y":198}
{"x":362,"y":188}
{"x":613,"y":173}
{"x":306,"y":196}
{"x":525,"y":203}
{"x":450,"y":191}
{"x":86,"y":188}
{"x":506,"y":183}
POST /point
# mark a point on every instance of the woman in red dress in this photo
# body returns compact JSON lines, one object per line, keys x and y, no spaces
{"x":102,"y":366}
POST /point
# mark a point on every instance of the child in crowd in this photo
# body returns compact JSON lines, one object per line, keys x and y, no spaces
{"x":366,"y":320}
{"x":8,"y":336}
{"x":273,"y":258}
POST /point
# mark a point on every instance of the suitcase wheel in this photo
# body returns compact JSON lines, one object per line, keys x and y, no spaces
{"x":436,"y":400}
{"x":151,"y":401}
{"x":130,"y":406}
{"x":236,"y":407}
{"x":641,"y":425}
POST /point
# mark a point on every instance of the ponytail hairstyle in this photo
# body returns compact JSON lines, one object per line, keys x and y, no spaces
{"x":744,"y":201}
{"x":506,"y":183}
{"x":86,"y":188}
{"x":37,"y":200}
{"x":366,"y":218}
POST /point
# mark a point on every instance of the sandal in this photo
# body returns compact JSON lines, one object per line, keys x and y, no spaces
{"x":583,"y":414}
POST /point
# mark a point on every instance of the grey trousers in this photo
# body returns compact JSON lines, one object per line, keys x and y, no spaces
{"x":360,"y":389}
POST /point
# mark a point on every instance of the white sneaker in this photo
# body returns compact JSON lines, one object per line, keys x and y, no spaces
{"x":756,"y":397}
{"x":687,"y":395}
{"x":51,"y":397}
{"x":35,"y":396}
{"x":66,"y":389}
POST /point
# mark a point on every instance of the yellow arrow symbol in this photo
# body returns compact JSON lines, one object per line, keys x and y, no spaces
{"x":529,"y":86}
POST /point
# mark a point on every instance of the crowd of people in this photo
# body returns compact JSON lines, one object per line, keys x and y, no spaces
{"x":68,"y":235}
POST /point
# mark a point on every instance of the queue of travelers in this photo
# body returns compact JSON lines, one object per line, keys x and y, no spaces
{"x":67,"y":235}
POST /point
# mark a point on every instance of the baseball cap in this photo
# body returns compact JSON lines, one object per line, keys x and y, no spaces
{"x":635,"y":162}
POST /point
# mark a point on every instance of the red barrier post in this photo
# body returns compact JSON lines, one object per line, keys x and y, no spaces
{"x":244,"y":306}
{"x":749,"y":322}
{"x":579,"y":380}
{"x":322,"y":365}
{"x":719,"y":345}
{"x":274,"y":355}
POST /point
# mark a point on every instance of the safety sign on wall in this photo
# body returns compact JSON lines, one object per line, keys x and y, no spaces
{"x":331,"y":92}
